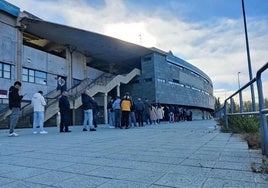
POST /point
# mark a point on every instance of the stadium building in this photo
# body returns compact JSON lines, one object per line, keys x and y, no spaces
{"x":45,"y":56}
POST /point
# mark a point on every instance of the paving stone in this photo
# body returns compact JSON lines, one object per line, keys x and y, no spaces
{"x":123,"y":184}
{"x":141,"y":176}
{"x":4,"y":181}
{"x":181,"y":180}
{"x":82,"y":181}
{"x":214,"y":182}
{"x":25,"y":173}
{"x":184,"y":154}
{"x":24,"y":184}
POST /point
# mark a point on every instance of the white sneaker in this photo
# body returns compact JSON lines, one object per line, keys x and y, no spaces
{"x":34,"y":132}
{"x":43,"y":132}
{"x":111,"y":127}
{"x":13,"y":134}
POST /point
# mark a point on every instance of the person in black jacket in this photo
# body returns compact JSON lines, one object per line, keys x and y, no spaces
{"x":87,"y":104}
{"x":65,"y":112}
{"x":14,"y":99}
{"x":95,"y":112}
{"x":140,"y":107}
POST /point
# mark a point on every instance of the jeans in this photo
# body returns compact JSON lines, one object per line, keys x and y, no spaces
{"x":111,"y":119}
{"x":88,"y":118}
{"x":38,"y":118}
{"x":117,"y":118}
{"x":14,"y":117}
{"x":132,"y":119}
{"x":171,"y":117}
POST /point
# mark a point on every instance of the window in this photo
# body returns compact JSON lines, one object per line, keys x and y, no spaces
{"x":5,"y":70}
{"x":147,"y":58}
{"x":148,"y":79}
{"x":134,"y":82}
{"x":161,"y":80}
{"x":34,"y":76}
{"x":176,"y":81}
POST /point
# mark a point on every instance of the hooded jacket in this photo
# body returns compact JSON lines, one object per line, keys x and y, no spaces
{"x":38,"y":103}
{"x":14,"y":99}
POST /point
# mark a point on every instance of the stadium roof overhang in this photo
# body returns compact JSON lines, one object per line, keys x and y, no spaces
{"x":103,"y":52}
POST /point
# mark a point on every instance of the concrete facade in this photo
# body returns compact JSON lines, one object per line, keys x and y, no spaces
{"x":164,"y":78}
{"x":171,"y":83}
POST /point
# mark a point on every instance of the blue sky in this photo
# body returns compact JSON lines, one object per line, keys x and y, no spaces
{"x":207,"y":33}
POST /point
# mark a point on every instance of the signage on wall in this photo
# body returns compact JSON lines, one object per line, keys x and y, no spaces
{"x":3,"y":94}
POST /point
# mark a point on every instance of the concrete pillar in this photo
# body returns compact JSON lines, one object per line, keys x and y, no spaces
{"x":85,"y":67}
{"x":69,"y":66}
{"x":118,"y":90}
{"x":19,"y":55}
{"x":105,"y":108}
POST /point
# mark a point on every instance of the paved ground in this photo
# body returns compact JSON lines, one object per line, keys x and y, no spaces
{"x":188,"y":154}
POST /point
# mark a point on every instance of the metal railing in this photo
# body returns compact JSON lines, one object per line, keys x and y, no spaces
{"x":262,"y":110}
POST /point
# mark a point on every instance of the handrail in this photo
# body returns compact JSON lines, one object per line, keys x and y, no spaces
{"x":262,"y":110}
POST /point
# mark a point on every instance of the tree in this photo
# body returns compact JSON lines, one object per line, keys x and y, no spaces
{"x":217,"y":104}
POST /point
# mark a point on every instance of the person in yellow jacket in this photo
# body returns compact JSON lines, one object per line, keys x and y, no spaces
{"x":125,"y":108}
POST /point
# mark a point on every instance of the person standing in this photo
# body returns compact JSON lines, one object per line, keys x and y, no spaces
{"x":147,"y":112}
{"x":171,"y":114}
{"x":38,"y":103}
{"x":111,"y":113}
{"x":132,"y":114}
{"x":160,"y":113}
{"x":65,"y":112}
{"x":14,"y":99}
{"x":117,"y":112}
{"x":140,"y":110}
{"x":95,"y":112}
{"x":125,"y":108}
{"x":87,"y":103}
{"x":153,"y":114}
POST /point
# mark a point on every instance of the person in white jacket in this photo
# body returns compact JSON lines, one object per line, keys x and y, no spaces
{"x":38,"y":103}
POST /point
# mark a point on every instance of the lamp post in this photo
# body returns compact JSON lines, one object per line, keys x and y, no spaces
{"x":248,"y":56}
{"x":240,"y":94}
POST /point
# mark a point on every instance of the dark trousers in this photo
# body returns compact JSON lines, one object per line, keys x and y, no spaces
{"x":140,"y":117}
{"x":125,"y":118}
{"x":65,"y":121}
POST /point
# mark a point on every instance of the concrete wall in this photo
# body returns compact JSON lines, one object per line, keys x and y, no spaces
{"x":191,"y":89}
{"x":8,"y":48}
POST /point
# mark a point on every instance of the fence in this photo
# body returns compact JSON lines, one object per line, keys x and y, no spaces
{"x":262,"y":110}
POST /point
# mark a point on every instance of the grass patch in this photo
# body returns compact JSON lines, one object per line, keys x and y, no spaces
{"x":249,"y":128}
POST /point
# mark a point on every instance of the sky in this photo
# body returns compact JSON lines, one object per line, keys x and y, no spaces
{"x":206,"y":33}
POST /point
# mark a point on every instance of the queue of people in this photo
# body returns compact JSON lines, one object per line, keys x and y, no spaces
{"x":123,"y":113}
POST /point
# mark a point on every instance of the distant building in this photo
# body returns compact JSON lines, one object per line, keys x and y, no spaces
{"x":52,"y":57}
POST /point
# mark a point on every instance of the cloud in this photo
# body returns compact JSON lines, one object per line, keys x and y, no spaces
{"x":215,"y":46}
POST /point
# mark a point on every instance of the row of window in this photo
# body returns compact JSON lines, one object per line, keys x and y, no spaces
{"x":34,"y":76}
{"x":191,"y":72}
{"x":28,"y":75}
{"x":5,"y":70}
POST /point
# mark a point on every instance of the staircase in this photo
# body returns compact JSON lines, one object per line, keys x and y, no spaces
{"x":103,"y":84}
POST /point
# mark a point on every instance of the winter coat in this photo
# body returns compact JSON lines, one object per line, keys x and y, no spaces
{"x":38,"y":103}
{"x":140,"y":106}
{"x":153,"y":113}
{"x":87,"y":102}
{"x":125,"y":105}
{"x":14,"y":98}
{"x":64,"y":105}
{"x":160,"y":113}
